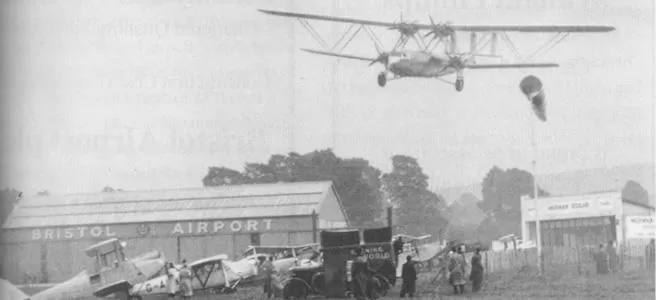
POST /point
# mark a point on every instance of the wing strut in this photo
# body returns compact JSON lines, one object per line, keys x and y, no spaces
{"x":550,"y":44}
{"x":313,"y":32}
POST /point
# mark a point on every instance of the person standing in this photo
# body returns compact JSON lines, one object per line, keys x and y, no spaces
{"x":269,"y":269}
{"x":601,"y":260}
{"x":185,"y":281}
{"x":360,"y":275}
{"x":457,"y":272}
{"x":649,"y":255}
{"x":409,"y":276}
{"x":171,"y":280}
{"x":477,"y":271}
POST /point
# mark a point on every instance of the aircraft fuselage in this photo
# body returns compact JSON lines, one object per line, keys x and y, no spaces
{"x":418,"y":64}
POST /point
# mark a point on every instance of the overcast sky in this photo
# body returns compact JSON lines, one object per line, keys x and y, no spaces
{"x":146,"y":94}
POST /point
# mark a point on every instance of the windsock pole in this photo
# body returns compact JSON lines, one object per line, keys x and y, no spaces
{"x":535,"y":194}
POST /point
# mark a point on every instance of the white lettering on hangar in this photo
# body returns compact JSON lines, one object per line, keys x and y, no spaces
{"x":219,"y":226}
{"x":179,"y":228}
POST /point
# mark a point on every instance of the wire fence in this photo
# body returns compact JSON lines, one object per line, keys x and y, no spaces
{"x":630,"y":256}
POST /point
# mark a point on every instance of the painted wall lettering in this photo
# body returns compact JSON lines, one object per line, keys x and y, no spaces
{"x":221,"y":227}
{"x":158,"y":229}
{"x":72,"y":233}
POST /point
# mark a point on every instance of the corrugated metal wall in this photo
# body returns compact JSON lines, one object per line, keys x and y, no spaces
{"x":65,"y":259}
{"x":19,"y":259}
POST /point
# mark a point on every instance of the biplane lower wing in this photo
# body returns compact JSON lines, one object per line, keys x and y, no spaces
{"x":333,"y":54}
{"x":512,"y":66}
{"x":472,"y":28}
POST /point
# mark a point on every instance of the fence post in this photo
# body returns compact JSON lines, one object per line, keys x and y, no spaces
{"x":487,"y":270}
{"x":578,"y":260}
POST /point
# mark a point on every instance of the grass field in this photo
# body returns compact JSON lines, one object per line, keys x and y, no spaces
{"x":523,"y":284}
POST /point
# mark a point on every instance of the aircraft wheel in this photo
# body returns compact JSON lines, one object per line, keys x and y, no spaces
{"x":382,"y":79}
{"x":460,"y":84}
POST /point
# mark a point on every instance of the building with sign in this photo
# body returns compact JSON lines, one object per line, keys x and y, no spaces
{"x":45,"y":235}
{"x":580,"y":220}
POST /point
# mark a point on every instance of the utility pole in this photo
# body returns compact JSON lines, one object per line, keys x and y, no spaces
{"x":291,"y":122}
{"x":536,"y":197}
{"x":334,"y":90}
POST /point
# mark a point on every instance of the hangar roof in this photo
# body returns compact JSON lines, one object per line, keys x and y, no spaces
{"x":224,"y":202}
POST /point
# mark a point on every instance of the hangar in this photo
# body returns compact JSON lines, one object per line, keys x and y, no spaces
{"x":45,"y":235}
{"x":580,"y":220}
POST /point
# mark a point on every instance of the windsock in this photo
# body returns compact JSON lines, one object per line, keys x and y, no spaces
{"x":531,"y":87}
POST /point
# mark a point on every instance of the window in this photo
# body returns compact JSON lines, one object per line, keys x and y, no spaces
{"x":255,"y":239}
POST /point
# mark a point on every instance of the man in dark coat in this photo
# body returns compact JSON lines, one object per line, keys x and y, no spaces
{"x":409,"y":276}
{"x":269,"y":269}
{"x":601,"y":260}
{"x":476,"y":275}
{"x":649,"y":255}
{"x":360,"y":275}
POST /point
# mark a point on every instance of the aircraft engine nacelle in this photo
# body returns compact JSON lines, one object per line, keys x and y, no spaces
{"x":532,"y":88}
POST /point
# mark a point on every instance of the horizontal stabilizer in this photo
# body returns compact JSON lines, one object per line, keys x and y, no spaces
{"x":339,"y":55}
{"x":512,"y":66}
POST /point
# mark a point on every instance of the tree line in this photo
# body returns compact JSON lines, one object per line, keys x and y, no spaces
{"x":365,"y":191}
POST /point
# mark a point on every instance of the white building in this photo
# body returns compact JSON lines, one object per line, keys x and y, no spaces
{"x":580,"y":220}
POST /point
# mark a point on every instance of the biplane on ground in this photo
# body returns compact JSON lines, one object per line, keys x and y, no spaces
{"x":214,"y":274}
{"x":285,"y":257}
{"x":419,"y":248}
{"x":425,"y":62}
{"x":113,"y":274}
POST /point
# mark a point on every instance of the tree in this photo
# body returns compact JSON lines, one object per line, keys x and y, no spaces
{"x":502,"y":192}
{"x":8,"y":200}
{"x":417,"y":211}
{"x":217,"y":176}
{"x":633,"y":191}
{"x":356,"y":181}
{"x":464,"y":217}
{"x":109,"y":189}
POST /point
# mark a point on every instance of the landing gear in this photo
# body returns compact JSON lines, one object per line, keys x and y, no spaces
{"x":382,"y":79}
{"x":460,"y":84}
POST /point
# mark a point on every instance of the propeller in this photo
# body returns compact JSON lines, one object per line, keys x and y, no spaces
{"x":439,"y":30}
{"x":406,"y":28}
{"x":382,"y":58}
{"x":459,"y":61}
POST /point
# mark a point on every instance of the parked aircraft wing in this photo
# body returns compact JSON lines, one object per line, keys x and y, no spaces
{"x":203,"y":261}
{"x":410,"y":238}
{"x":512,"y":66}
{"x":475,"y":28}
{"x":9,"y":291}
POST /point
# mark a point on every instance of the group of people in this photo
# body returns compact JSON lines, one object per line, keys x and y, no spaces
{"x":179,"y":280}
{"x":457,"y":266}
{"x":606,"y":258}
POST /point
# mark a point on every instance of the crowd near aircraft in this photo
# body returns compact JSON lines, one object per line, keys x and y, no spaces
{"x":113,"y":274}
{"x":400,"y":62}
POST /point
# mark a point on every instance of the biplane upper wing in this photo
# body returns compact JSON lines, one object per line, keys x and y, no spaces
{"x":213,"y":259}
{"x":474,"y":28}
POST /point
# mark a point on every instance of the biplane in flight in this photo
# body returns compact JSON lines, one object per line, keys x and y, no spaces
{"x":400,"y":62}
